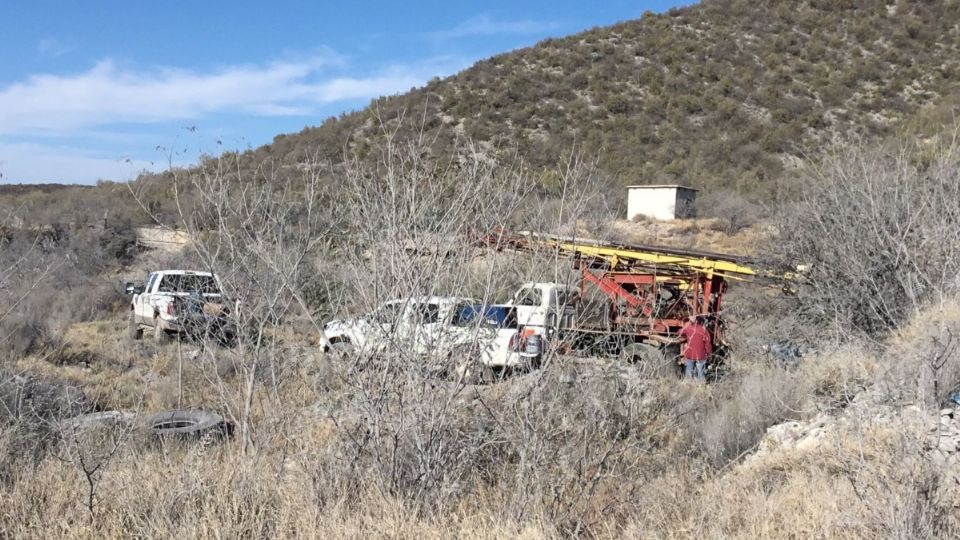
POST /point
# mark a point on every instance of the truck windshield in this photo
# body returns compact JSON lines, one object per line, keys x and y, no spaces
{"x":488,"y":317}
{"x":427,"y":313}
{"x":529,"y":297}
{"x":567,"y":297}
{"x":182,"y":283}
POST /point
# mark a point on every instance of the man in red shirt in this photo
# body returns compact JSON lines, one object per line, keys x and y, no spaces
{"x":698,"y":347}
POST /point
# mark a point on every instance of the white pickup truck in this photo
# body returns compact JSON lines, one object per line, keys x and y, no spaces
{"x":417,"y":325}
{"x":174,"y":301}
{"x":460,"y":330}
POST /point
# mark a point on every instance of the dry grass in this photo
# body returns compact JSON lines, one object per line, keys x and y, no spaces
{"x":217,"y":494}
{"x":678,"y":472}
{"x":864,"y":481}
{"x":676,"y":462}
{"x":704,"y":234}
{"x":861,"y":485}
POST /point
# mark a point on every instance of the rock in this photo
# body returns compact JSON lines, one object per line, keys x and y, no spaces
{"x":795,"y":435}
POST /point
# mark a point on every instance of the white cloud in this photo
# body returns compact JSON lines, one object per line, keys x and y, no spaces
{"x":109,"y":95}
{"x":56,"y":127}
{"x":484,"y":25}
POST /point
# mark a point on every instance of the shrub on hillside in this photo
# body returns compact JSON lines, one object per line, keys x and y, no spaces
{"x":119,"y":241}
{"x":29,"y":411}
{"x":55,"y":267}
{"x":732,"y":212}
{"x":879,"y":229}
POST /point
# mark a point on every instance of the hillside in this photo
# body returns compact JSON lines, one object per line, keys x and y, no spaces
{"x":354,"y":403}
{"x":24,"y":189}
{"x":724,"y":94}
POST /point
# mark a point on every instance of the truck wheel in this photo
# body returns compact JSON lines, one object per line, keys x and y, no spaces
{"x":134,"y":331}
{"x":488,"y":375}
{"x":641,"y":353}
{"x":341,"y":349}
{"x":159,"y":334}
{"x":659,"y":361}
{"x":673,"y":366}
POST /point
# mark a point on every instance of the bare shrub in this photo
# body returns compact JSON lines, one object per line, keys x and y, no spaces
{"x":880,"y":231}
{"x":92,"y":449}
{"x":258,"y":232}
{"x":54,"y":266}
{"x":924,"y":358}
{"x":413,"y":223}
{"x":730,"y":210}
{"x":29,"y":412}
{"x":119,"y":241}
{"x":403,"y":225}
{"x":580,"y":439}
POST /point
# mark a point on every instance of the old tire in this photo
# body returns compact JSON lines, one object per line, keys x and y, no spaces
{"x":159,"y":334}
{"x":188,"y":424}
{"x":134,"y":332}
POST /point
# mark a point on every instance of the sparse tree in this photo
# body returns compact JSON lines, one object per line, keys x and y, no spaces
{"x":879,"y":229}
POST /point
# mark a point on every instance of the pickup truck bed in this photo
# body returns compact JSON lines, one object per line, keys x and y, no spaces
{"x":177,"y":302}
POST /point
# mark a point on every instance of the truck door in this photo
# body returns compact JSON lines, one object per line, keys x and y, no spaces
{"x":426,"y":326}
{"x":532,"y":307}
{"x":141,"y":302}
{"x":385,"y":325}
{"x":566,"y":307}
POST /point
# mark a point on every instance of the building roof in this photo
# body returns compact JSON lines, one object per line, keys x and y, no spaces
{"x":662,"y":186}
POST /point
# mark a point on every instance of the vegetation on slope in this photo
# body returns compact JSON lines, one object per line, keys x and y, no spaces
{"x":362,"y":443}
{"x":726,"y":95}
{"x":723,"y":94}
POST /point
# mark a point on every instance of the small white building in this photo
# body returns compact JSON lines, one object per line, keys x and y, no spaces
{"x":661,"y":202}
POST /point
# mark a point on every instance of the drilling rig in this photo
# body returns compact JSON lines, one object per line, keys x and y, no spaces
{"x":646,"y":293}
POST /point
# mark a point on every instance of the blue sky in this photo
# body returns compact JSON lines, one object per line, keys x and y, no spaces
{"x":105,"y":89}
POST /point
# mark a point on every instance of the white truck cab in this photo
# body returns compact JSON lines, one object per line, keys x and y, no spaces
{"x":545,"y":307}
